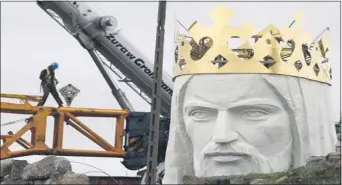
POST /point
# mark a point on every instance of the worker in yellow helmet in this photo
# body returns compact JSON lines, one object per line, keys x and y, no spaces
{"x":48,"y":83}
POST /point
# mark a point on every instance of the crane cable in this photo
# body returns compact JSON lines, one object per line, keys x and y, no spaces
{"x":16,"y":121}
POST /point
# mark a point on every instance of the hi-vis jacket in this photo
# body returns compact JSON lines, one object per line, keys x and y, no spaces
{"x":47,"y":76}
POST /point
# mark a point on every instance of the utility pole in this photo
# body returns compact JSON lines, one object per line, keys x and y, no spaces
{"x":152,"y":154}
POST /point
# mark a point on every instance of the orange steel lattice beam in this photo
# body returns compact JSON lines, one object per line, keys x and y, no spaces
{"x":64,"y":115}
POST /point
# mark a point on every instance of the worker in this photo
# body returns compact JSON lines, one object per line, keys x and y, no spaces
{"x":48,"y":83}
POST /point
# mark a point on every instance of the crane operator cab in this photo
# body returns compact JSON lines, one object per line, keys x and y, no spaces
{"x":136,"y":142}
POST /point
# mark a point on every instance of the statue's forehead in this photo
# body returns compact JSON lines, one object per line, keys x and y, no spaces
{"x":225,"y":89}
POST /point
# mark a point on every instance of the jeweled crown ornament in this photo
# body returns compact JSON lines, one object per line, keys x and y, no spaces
{"x":283,"y":51}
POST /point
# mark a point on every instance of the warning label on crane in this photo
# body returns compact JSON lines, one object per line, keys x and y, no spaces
{"x":136,"y":60}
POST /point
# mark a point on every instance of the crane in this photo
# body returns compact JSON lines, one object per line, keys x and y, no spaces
{"x":111,"y":52}
{"x":153,"y":135}
{"x":97,"y":34}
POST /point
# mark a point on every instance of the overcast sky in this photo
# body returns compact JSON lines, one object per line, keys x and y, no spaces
{"x":31,"y":40}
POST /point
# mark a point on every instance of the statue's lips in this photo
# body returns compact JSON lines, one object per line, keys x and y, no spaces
{"x":227,"y":156}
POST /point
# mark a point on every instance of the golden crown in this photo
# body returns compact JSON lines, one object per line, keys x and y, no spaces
{"x":285,"y":51}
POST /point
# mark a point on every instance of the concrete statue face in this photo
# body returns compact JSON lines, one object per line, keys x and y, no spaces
{"x":262,"y":109}
{"x":236,"y":126}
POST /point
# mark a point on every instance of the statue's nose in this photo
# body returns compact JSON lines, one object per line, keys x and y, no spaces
{"x":224,"y":130}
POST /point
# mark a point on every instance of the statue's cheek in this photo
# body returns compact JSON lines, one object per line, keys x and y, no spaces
{"x":269,"y":136}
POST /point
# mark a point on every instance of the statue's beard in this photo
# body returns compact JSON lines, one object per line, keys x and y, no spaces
{"x":255,"y":163}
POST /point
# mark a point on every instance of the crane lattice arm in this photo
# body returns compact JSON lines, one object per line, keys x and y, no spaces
{"x":62,"y":116}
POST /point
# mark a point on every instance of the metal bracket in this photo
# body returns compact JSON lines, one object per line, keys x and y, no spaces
{"x":69,"y":92}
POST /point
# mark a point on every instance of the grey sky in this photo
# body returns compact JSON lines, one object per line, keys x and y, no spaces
{"x":31,"y":40}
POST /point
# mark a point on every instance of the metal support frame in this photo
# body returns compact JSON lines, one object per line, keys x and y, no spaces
{"x":38,"y":122}
{"x":152,"y":155}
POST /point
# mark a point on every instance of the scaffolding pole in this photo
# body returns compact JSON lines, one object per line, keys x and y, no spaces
{"x":152,"y":155}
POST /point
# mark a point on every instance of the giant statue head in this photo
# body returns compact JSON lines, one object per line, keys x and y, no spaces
{"x":259,"y":108}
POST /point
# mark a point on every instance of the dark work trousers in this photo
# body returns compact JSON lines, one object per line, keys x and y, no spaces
{"x":47,"y":89}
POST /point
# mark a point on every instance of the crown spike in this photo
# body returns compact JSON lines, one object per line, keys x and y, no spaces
{"x":282,"y":51}
{"x":221,"y":15}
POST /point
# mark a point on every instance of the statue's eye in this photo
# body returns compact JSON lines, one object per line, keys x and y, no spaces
{"x":202,"y":115}
{"x":255,"y":114}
